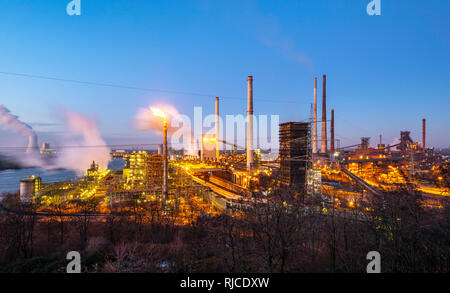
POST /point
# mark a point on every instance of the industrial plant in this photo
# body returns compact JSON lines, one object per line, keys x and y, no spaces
{"x":253,"y":198}
{"x":204,"y":140}
{"x":335,"y":176}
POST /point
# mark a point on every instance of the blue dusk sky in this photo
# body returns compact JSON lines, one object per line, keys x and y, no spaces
{"x":384,"y":73}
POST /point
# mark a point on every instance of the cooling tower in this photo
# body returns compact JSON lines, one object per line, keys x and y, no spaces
{"x":33,"y":146}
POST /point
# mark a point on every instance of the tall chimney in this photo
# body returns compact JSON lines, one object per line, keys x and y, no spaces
{"x":217,"y":127}
{"x":332,"y":131}
{"x":323,"y":147}
{"x":250,"y":124}
{"x":424,"y":134}
{"x":315,"y":118}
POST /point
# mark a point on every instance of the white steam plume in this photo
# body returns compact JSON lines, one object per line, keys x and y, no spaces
{"x":13,"y":123}
{"x":85,"y":141}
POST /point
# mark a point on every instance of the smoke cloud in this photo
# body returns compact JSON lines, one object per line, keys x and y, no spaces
{"x":179,"y":126}
{"x":145,"y":120}
{"x":13,"y":123}
{"x":84,"y":143}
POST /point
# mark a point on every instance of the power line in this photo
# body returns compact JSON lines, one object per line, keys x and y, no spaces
{"x":137,"y":88}
{"x":90,"y":146}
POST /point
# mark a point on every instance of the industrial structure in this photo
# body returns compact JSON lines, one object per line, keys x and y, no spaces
{"x":143,"y":170}
{"x":29,"y":188}
{"x":209,"y":147}
{"x":323,"y":146}
{"x":216,"y":125}
{"x":315,"y":148}
{"x":294,"y":154}
{"x":33,"y":146}
{"x":250,"y":124}
{"x":335,"y":176}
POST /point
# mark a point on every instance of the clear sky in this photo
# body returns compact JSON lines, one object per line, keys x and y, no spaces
{"x":384,"y":73}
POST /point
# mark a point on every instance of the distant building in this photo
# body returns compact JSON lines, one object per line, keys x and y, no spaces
{"x":93,"y":169}
{"x":160,"y":149}
{"x":46,"y":150}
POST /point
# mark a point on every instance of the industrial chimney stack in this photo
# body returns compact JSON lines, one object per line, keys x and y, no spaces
{"x":424,"y":134}
{"x":315,"y":148}
{"x":250,"y":124}
{"x":332,"y":131}
{"x":217,"y":127}
{"x":323,"y":147}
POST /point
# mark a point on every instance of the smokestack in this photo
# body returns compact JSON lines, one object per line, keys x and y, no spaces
{"x":424,"y":134}
{"x":315,"y":118}
{"x":33,"y":146}
{"x":217,"y":128}
{"x":332,"y":131}
{"x":160,"y":149}
{"x":323,"y":147}
{"x":250,"y":124}
{"x":381,"y":139}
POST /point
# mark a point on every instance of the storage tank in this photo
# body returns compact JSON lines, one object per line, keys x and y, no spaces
{"x":29,"y":188}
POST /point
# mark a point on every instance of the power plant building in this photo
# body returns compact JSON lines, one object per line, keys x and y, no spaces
{"x":143,"y":170}
{"x":294,"y":153}
{"x":208,"y":150}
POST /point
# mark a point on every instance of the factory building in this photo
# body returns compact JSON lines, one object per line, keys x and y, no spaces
{"x":314,"y":182}
{"x":29,"y":188}
{"x":135,"y":168}
{"x":294,"y":153}
{"x":143,"y":170}
{"x":155,"y":170}
{"x":208,"y":149}
{"x":46,"y":150}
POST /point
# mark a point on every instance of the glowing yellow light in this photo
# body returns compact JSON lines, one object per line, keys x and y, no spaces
{"x":205,"y":139}
{"x":351,"y":204}
{"x":213,"y":139}
{"x":158,"y":112}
